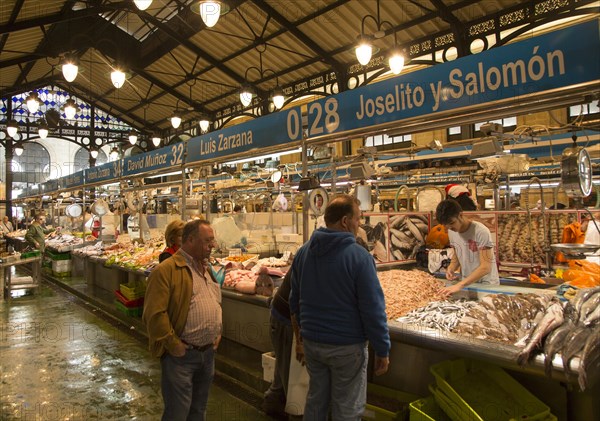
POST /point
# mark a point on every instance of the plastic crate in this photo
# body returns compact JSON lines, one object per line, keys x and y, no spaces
{"x":381,"y":411}
{"x":427,"y":409}
{"x":138,"y":302}
{"x":132,"y":293}
{"x":61,"y":274}
{"x":129,"y":311}
{"x":55,"y":255}
{"x":32,"y":253}
{"x":484,"y":392}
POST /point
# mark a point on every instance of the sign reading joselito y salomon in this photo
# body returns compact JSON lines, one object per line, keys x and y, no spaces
{"x":558,"y":59}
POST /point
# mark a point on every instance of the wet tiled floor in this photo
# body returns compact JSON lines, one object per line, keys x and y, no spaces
{"x":59,"y":361}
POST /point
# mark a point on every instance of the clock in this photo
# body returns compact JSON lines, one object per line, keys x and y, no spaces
{"x":576,"y":172}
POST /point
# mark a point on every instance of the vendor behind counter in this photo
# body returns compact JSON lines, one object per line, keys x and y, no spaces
{"x":36,"y":233}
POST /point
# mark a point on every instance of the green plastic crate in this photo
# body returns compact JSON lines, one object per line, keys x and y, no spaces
{"x":453,"y":410}
{"x":54,"y":255}
{"x":32,"y":253}
{"x":485,"y":392}
{"x":427,"y":409}
{"x":375,"y":413}
{"x":132,"y":293}
{"x":129,"y":311}
{"x":61,"y":274}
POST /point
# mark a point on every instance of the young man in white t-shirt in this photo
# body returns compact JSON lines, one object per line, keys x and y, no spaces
{"x":473,"y":248}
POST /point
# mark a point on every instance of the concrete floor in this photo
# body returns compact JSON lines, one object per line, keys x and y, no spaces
{"x":59,"y":361}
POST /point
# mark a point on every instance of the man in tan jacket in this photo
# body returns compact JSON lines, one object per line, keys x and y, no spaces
{"x":182,"y":313}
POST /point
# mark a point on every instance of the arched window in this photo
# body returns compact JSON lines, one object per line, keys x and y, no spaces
{"x":82,"y":159}
{"x":32,"y":166}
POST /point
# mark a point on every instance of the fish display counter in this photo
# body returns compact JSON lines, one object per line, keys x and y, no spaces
{"x":431,"y":334}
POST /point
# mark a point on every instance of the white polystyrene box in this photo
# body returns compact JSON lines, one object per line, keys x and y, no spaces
{"x":268,"y":364}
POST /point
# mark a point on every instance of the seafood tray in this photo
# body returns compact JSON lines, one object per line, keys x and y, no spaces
{"x":472,"y":390}
{"x":427,"y":409}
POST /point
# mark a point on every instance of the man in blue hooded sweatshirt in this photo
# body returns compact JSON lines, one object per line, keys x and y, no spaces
{"x":338,"y":305}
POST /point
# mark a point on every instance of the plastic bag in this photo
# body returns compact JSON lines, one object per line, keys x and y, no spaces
{"x":280,"y":204}
{"x":297,"y":386}
{"x":218,"y":272}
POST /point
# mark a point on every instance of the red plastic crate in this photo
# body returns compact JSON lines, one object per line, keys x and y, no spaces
{"x":138,"y":302}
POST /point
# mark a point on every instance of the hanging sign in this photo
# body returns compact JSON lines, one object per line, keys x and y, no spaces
{"x":274,"y":129}
{"x":50,"y":186}
{"x":554,"y":60}
{"x":72,"y":180}
{"x":160,"y":159}
{"x":106,"y":172}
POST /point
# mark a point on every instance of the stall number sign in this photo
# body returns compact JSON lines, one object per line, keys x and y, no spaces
{"x":550,"y":61}
{"x":274,"y":129}
{"x":73,"y":180}
{"x":160,"y":159}
{"x":104,"y":172}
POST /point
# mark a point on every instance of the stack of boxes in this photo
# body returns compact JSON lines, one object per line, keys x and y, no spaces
{"x":130,"y":299}
{"x":60,"y":263}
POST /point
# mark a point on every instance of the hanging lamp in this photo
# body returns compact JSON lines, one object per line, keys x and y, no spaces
{"x":33,"y":102}
{"x":117,"y":77}
{"x":12,"y":128}
{"x":70,"y":109}
{"x":176,"y":119}
{"x":156,"y":140}
{"x":70,"y":67}
{"x":142,"y":4}
{"x":43,"y":130}
{"x":133,"y":137}
{"x":18,"y":149}
{"x":210,"y":11}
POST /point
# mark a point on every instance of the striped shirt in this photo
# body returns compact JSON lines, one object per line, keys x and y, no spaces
{"x":204,"y":322}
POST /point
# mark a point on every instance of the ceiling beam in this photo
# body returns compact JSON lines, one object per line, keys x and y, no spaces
{"x":42,"y":46}
{"x":11,"y":21}
{"x":96,"y":99}
{"x":183,"y":26}
{"x":252,"y":46}
{"x":67,"y":15}
{"x":458,"y":28}
{"x":293,"y":29}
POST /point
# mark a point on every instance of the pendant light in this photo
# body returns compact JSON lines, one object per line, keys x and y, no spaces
{"x":18,"y":149}
{"x":176,"y":119}
{"x":210,"y":11}
{"x":70,"y":109}
{"x":246,"y":95}
{"x":70,"y":67}
{"x":204,"y":124}
{"x":43,"y":130}
{"x":33,"y":102}
{"x":132,"y":136}
{"x":114,"y":154}
{"x":117,"y":77}
{"x":396,"y":62}
{"x":156,"y":140}
{"x":94,"y":153}
{"x":142,"y":4}
{"x":12,"y":128}
{"x":278,"y":98}
{"x":364,"y":49}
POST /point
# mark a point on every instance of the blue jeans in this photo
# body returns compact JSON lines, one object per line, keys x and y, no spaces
{"x":185,"y":382}
{"x":338,"y":377}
